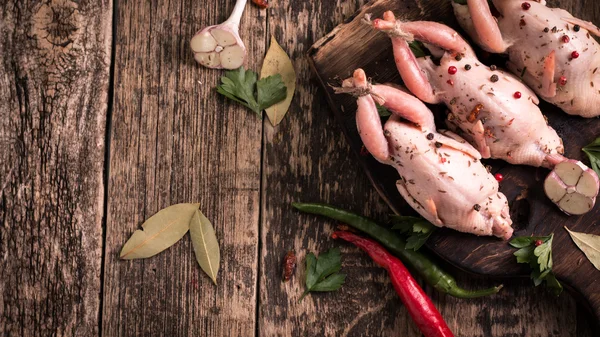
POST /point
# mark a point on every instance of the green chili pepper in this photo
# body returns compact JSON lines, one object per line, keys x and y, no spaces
{"x":417,"y":261}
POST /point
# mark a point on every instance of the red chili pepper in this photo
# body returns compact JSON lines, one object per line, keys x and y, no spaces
{"x":423,"y":312}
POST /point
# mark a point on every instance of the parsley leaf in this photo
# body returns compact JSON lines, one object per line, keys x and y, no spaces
{"x":382,"y":111}
{"x":239,"y":85}
{"x":271,"y":90}
{"x":417,"y":229}
{"x":418,"y":49}
{"x":539,"y":259}
{"x":244,"y":87}
{"x":322,"y":272}
{"x":593,"y":152}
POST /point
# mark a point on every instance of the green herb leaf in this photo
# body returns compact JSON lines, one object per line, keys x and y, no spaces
{"x":522,"y":241}
{"x":404,"y":223}
{"x":524,"y":254}
{"x":311,"y":276}
{"x":418,"y":49}
{"x":416,"y":241}
{"x":328,"y":263}
{"x":544,"y":254}
{"x":416,"y":229}
{"x":321,"y":272}
{"x":553,"y":284}
{"x":539,"y":259}
{"x":382,"y":111}
{"x":239,"y":85}
{"x":331,"y":283}
{"x":593,"y":152}
{"x":243,"y":87}
{"x":270,"y":91}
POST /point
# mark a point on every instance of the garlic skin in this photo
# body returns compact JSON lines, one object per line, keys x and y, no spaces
{"x":220,"y":46}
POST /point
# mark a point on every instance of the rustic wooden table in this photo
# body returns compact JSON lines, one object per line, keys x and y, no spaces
{"x":105,"y":118}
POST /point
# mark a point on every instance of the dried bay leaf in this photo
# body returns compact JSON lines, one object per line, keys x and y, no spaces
{"x":278,"y":62}
{"x":159,"y":232}
{"x":589,"y":245}
{"x":205,"y":244}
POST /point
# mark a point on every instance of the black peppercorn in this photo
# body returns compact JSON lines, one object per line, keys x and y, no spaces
{"x":458,"y":57}
{"x":494,"y":78}
{"x":546,"y":30}
{"x":430,"y":136}
{"x":493,"y":67}
{"x":438,"y":144}
{"x":477,"y":207}
{"x":576,"y":28}
{"x":467,"y":67}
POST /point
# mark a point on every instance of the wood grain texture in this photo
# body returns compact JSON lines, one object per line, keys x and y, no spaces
{"x":54,"y":77}
{"x":175,"y":140}
{"x":306,"y":159}
{"x":354,"y":45}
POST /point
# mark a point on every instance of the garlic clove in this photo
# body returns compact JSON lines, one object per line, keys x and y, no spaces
{"x":210,"y":60}
{"x":223,"y":37}
{"x":554,"y":187}
{"x":576,"y":204}
{"x":232,"y":57}
{"x":569,"y":171}
{"x":588,"y":183}
{"x":203,"y":42}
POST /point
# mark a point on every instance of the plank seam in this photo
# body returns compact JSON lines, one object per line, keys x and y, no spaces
{"x":262,"y":199}
{"x":106,"y":175}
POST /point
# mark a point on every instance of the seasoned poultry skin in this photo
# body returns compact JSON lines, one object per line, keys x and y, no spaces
{"x":495,"y":111}
{"x":554,"y":52}
{"x":441,"y":175}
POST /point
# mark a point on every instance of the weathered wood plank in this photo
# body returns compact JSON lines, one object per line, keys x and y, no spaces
{"x":54,"y":77}
{"x":175,"y":140}
{"x":305,"y":158}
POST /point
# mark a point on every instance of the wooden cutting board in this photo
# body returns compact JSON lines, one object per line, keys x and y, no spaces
{"x":355,"y":45}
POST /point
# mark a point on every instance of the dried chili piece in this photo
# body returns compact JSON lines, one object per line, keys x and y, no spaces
{"x":289,"y":265}
{"x":261,"y":3}
{"x":474,"y":113}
